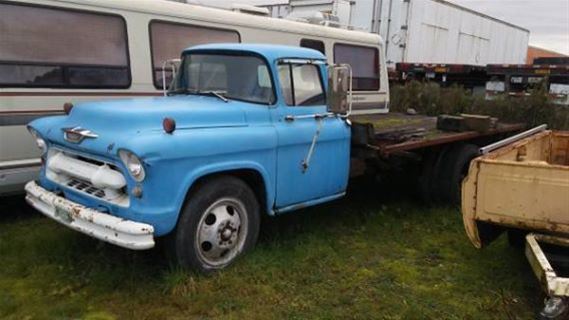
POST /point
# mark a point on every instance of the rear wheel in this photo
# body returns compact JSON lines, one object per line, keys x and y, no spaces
{"x":425,"y":178}
{"x":454,"y":169}
{"x":219,"y":223}
{"x":429,"y":181}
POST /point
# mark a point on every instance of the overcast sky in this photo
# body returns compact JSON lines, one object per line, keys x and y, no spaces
{"x":547,"y":20}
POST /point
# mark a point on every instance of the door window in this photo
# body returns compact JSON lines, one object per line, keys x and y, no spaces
{"x":301,"y":85}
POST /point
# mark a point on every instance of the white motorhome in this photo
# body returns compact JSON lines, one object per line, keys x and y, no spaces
{"x":57,"y":51}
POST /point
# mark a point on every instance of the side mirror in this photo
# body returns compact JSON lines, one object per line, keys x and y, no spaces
{"x":174,"y":64}
{"x":340,"y":89}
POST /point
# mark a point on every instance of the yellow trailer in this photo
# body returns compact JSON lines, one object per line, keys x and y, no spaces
{"x":522,"y":183}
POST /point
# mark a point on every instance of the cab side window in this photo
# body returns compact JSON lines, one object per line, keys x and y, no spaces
{"x":301,"y":84}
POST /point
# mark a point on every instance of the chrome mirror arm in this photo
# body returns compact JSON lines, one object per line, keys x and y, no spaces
{"x":172,"y":63}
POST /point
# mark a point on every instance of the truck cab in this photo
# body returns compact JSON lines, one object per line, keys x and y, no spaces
{"x":244,"y":130}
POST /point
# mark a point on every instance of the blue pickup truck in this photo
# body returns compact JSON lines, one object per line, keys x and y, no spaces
{"x":244,"y":130}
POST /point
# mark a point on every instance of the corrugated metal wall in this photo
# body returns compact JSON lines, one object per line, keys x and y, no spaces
{"x":440,"y":33}
{"x":433,"y":31}
{"x":424,"y":31}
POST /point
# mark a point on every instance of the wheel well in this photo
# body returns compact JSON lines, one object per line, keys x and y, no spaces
{"x":251,"y":177}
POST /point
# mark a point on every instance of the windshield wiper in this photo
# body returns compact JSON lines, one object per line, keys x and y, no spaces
{"x":214,"y":93}
{"x":201,"y":92}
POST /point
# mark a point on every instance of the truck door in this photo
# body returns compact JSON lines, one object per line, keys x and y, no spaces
{"x":313,"y":152}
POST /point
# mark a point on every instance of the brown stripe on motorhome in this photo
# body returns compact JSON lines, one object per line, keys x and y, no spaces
{"x":20,"y":118}
{"x":77,"y":94}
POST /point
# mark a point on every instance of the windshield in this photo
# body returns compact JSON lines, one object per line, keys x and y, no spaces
{"x":235,"y":77}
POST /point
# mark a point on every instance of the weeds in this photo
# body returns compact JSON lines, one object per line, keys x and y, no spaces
{"x":430,"y":99}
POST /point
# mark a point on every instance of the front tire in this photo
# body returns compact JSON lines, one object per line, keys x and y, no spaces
{"x":218,"y":224}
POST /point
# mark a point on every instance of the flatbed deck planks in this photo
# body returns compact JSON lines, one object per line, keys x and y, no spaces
{"x":396,"y":132}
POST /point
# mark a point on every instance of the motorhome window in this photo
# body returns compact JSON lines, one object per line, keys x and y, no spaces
{"x":301,"y":84}
{"x":59,"y":48}
{"x":313,"y":44}
{"x":168,"y":39}
{"x":237,"y":77}
{"x":364,"y":62}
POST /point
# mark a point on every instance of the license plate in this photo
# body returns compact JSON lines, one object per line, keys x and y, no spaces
{"x":63,"y":215}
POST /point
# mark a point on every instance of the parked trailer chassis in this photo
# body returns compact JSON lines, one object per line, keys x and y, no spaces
{"x":555,"y":286}
{"x":521,"y":183}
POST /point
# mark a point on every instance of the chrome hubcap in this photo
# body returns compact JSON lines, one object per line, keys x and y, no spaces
{"x":221,"y":232}
{"x":226,"y":234}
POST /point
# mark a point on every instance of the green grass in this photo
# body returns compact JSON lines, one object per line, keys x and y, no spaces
{"x":358,"y":258}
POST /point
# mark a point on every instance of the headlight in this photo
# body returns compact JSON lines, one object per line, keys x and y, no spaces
{"x":133,"y":165}
{"x":39,"y":140}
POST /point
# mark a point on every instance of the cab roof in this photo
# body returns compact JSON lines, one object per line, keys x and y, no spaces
{"x":269,"y":51}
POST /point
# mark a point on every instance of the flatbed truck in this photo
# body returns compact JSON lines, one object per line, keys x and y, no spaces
{"x":244,"y":130}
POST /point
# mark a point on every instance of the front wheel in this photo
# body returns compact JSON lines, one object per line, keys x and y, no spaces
{"x":219,"y":223}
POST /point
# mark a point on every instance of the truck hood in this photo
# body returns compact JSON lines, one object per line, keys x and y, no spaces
{"x":121,"y":121}
{"x":138,"y":115}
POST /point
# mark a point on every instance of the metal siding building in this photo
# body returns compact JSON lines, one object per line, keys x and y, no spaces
{"x":422,"y":31}
{"x":435,"y":31}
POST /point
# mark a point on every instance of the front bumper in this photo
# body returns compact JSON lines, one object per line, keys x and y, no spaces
{"x":103,"y":226}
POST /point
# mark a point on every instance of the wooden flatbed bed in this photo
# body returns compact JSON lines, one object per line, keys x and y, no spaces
{"x":397,"y":132}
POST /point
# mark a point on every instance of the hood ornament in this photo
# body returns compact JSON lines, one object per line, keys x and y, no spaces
{"x":77,"y":134}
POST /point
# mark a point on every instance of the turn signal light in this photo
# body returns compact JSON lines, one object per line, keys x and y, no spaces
{"x":67,"y":107}
{"x":169,"y":125}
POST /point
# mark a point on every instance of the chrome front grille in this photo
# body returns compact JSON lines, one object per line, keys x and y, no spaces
{"x":93,"y":177}
{"x":86,"y":187}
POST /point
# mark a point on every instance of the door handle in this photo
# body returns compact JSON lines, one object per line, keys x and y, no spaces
{"x":316,"y":116}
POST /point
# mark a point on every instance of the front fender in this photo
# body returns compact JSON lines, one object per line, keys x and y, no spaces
{"x":175,"y":162}
{"x":227,"y":166}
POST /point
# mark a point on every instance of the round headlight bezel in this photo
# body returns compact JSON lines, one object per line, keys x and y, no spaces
{"x":40,"y":142}
{"x":133,"y":165}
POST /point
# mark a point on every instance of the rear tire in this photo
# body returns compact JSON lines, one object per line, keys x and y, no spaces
{"x":454,"y":169}
{"x":430,"y":180}
{"x":424,"y":182}
{"x":218,"y":224}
